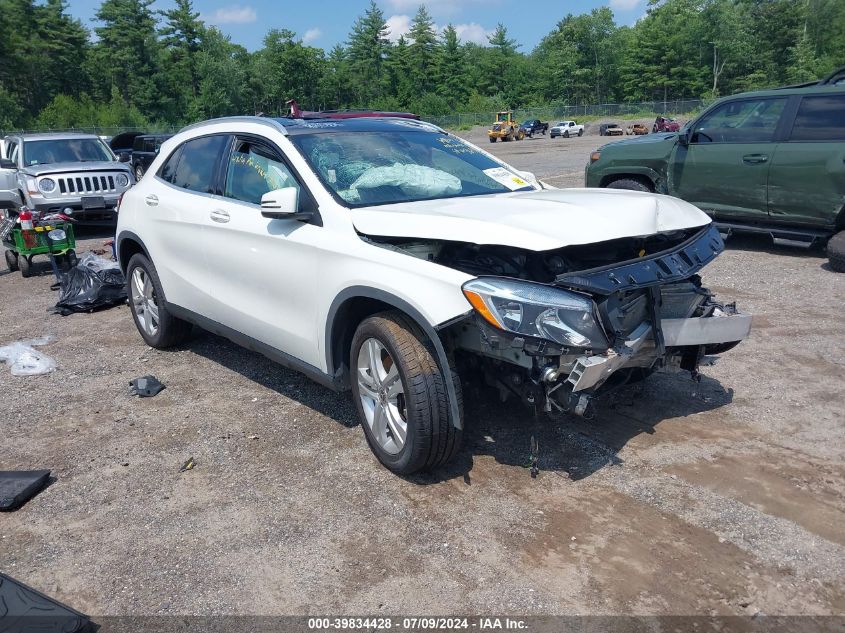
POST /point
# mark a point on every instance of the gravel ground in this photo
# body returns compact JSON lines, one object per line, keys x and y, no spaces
{"x":723,"y":497}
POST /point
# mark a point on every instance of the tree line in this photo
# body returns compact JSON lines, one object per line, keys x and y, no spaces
{"x":140,"y":66}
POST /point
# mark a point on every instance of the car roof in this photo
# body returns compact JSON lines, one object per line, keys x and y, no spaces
{"x":295,"y":127}
{"x":57,"y":136}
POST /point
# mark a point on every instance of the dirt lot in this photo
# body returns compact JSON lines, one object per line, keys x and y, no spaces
{"x":724,"y":497}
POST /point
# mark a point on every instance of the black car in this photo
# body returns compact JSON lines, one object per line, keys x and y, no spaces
{"x":144,"y":150}
{"x":534,"y":126}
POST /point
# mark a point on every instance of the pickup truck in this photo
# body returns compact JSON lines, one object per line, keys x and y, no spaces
{"x":534,"y":126}
{"x":567,"y":129}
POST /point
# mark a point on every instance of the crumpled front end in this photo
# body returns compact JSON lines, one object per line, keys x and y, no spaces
{"x":646,"y":314}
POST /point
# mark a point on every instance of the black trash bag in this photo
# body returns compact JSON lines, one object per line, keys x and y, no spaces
{"x":92,"y":284}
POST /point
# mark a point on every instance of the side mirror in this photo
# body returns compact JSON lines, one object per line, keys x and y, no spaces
{"x":684,"y":136}
{"x":283,"y":204}
{"x":124,"y":157}
{"x":5,"y":163}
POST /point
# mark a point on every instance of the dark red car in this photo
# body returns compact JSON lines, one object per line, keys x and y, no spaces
{"x":665,"y":124}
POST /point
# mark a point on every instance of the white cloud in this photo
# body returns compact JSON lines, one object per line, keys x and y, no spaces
{"x":397,"y":26}
{"x":473,"y":32}
{"x":624,"y":5}
{"x":232,"y":14}
{"x":311,"y":35}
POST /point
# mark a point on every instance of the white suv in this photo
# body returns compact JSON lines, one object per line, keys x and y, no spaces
{"x":383,"y":255}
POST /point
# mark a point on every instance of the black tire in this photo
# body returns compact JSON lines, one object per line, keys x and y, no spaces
{"x":580,"y":132}
{"x":431,"y":438}
{"x":629,"y":183}
{"x":139,"y":172}
{"x":492,"y":139}
{"x":171,"y":330}
{"x":836,"y":252}
{"x":566,"y":134}
{"x":25,"y":265}
{"x":11,"y":260}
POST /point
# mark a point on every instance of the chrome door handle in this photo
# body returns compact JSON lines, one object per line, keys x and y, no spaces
{"x":218,"y":215}
{"x":151,"y":200}
{"x":754,"y":159}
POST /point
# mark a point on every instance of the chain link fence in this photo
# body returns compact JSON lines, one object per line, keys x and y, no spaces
{"x":549,"y":113}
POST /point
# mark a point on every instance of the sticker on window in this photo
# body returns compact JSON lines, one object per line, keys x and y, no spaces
{"x":506,"y":177}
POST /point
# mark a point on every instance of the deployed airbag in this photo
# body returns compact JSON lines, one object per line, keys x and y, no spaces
{"x":418,"y":181}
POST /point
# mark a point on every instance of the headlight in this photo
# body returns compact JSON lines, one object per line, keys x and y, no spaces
{"x":122,"y":180}
{"x":530,"y":309}
{"x":46,"y":185}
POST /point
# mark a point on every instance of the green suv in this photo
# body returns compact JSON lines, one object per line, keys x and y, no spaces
{"x":770,"y":162}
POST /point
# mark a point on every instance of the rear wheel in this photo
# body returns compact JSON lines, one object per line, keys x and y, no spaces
{"x":400,"y":394}
{"x":629,"y":183}
{"x":11,"y":260}
{"x":157,"y":326}
{"x":580,"y":132}
{"x":139,"y":172}
{"x":836,"y":252}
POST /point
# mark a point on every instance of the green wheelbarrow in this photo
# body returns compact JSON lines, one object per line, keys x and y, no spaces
{"x":52,"y":239}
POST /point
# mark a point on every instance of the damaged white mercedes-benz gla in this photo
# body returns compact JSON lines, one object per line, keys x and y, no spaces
{"x":385,"y":256}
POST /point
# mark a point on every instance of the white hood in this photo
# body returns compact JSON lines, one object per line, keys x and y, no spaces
{"x":533,"y":220}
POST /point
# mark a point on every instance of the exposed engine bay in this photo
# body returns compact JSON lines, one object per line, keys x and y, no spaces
{"x":557,"y":328}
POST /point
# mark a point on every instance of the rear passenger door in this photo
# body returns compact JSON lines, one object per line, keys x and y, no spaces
{"x":724,"y":170}
{"x":807,"y":177}
{"x":263,"y":270}
{"x":176,"y":203}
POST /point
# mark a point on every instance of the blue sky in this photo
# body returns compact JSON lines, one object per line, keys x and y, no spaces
{"x":327,"y":22}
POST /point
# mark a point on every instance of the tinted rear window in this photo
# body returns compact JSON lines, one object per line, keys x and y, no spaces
{"x":820,"y":118}
{"x":196,"y":167}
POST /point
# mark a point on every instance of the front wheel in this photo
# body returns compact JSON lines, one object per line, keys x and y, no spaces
{"x":492,"y":139}
{"x":835,"y":252}
{"x":400,"y":394}
{"x":139,"y":173}
{"x":25,"y":265}
{"x":630,"y":184}
{"x":157,"y":326}
{"x":566,"y":134}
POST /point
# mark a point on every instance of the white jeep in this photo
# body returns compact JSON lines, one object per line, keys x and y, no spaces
{"x":382,"y":255}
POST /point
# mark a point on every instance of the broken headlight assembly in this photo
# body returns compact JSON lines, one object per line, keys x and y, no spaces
{"x":530,"y":309}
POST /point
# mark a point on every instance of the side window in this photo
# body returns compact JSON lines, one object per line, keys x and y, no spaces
{"x":196,"y":167}
{"x":138,"y":143}
{"x":253,"y":170}
{"x":149,"y":145}
{"x":820,"y":118}
{"x":168,"y":170}
{"x":12,"y":151}
{"x":749,"y":121}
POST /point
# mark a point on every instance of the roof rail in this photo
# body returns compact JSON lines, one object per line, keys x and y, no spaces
{"x":275,"y":124}
{"x":834,"y":78}
{"x":297,"y":113}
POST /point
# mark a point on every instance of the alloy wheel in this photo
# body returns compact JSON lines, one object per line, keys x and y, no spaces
{"x":144,"y":301}
{"x":382,"y":396}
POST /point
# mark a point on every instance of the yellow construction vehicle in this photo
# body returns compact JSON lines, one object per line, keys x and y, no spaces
{"x":505,"y":128}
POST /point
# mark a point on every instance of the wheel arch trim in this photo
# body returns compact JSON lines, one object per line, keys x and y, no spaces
{"x":354,"y":292}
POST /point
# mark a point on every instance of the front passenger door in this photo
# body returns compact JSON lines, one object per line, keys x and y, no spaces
{"x":264,"y":271}
{"x":724,"y":169}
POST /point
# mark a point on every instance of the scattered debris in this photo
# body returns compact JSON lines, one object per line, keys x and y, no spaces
{"x":26,"y":361}
{"x":188,"y":465}
{"x":535,"y":458}
{"x":21,"y":602}
{"x":19,"y":486}
{"x":95,"y":282}
{"x":145,"y":387}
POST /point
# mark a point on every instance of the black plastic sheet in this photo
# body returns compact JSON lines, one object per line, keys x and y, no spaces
{"x":92,"y":284}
